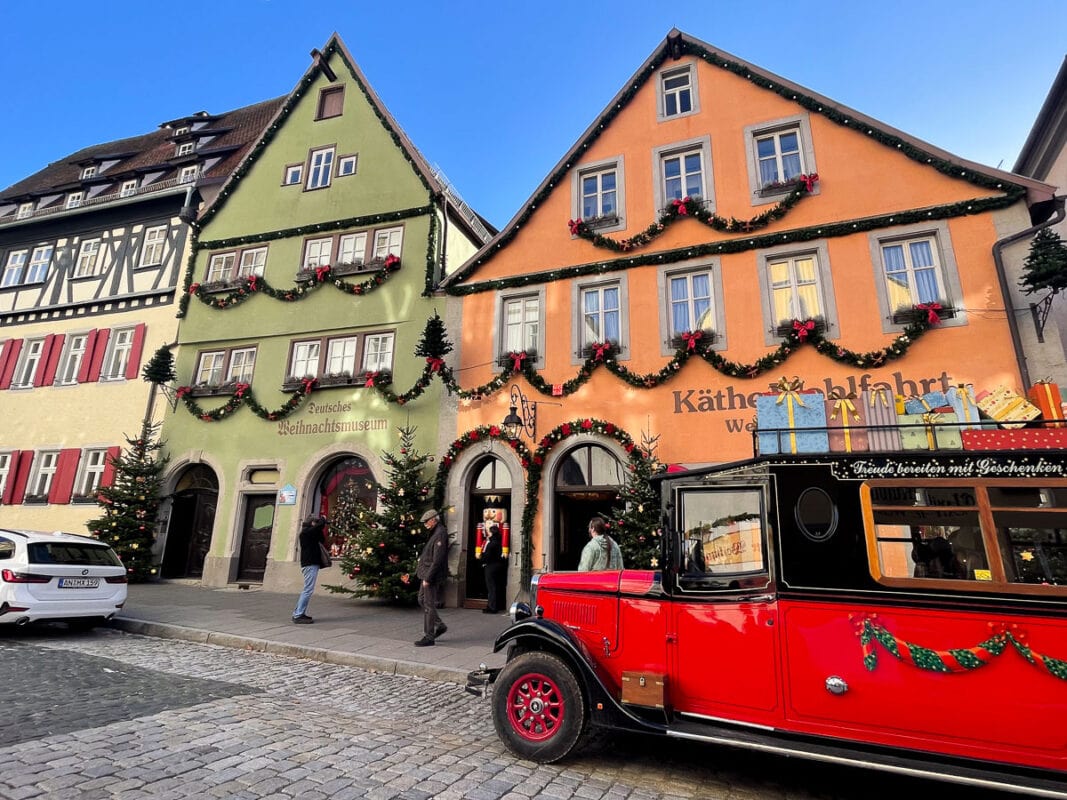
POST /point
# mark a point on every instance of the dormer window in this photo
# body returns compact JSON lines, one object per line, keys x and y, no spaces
{"x":25,"y":209}
{"x":184,"y":129}
{"x":129,"y":188}
{"x":74,"y":199}
{"x":188,"y":174}
{"x":185,"y":148}
{"x":88,"y":172}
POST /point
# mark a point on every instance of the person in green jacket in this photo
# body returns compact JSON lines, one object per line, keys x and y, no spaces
{"x":601,"y":552}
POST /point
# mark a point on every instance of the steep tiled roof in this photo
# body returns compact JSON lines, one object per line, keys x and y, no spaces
{"x":151,"y":152}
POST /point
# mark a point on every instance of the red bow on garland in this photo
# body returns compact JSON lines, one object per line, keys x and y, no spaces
{"x":599,"y":349}
{"x":252,"y":279}
{"x":809,"y":181}
{"x":182,"y":391}
{"x":803,"y":329}
{"x":931,"y":310}
{"x":240,"y":390}
{"x":574,"y":225}
{"x":691,"y":339}
{"x":391,"y":261}
{"x":307,"y":383}
{"x":371,"y":377}
{"x":435,"y":363}
{"x":679,"y":206}
{"x":194,"y":288}
{"x":321,"y":273}
{"x":516,"y":361}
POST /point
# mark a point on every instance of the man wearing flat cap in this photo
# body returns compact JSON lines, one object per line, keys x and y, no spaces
{"x":431,"y":571}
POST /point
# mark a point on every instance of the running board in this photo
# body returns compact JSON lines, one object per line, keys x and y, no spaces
{"x":969,"y":773}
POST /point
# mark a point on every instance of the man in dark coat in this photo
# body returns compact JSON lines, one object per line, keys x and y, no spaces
{"x":432,"y":571}
{"x":495,"y":566}
{"x":312,"y":534}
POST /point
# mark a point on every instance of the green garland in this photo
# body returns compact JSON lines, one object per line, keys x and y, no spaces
{"x":688,"y":208}
{"x":243,"y":396}
{"x":533,"y":463}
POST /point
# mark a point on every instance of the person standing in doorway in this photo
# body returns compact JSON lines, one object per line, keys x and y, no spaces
{"x":312,"y":534}
{"x":431,"y":571}
{"x":496,"y":565}
{"x":601,"y":552}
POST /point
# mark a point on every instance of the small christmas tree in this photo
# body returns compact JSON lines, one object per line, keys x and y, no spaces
{"x":160,"y":368}
{"x":435,"y":342}
{"x":382,"y":547}
{"x":131,"y":503}
{"x":1045,"y":268}
{"x":636,"y":524}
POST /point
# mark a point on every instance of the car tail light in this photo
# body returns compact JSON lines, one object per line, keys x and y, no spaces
{"x":117,"y":579}
{"x":10,"y":576}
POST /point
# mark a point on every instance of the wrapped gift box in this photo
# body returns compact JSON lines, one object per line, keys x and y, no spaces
{"x":931,"y":401}
{"x":1006,"y":407}
{"x":1046,"y":396}
{"x":1020,"y":439}
{"x":880,"y":411}
{"x":962,"y":401}
{"x":792,"y":408}
{"x":846,"y":419}
{"x":935,"y":431}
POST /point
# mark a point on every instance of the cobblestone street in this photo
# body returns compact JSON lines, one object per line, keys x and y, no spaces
{"x":115,"y":715}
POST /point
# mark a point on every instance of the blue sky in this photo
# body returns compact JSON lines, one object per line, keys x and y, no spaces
{"x":495,"y":93}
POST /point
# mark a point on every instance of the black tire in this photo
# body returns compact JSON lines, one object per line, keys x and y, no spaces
{"x":539,"y":711}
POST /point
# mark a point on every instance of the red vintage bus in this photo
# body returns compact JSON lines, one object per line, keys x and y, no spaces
{"x":899,"y":611}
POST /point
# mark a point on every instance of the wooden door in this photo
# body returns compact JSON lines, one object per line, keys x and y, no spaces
{"x":255,"y":537}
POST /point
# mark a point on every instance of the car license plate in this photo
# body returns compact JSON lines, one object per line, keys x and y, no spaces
{"x":79,"y":583}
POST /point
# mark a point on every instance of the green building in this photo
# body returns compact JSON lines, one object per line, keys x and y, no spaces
{"x":309,"y":288}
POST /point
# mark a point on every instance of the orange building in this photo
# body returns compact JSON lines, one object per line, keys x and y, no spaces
{"x":715,"y":229}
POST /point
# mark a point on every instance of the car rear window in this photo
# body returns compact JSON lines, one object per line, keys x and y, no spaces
{"x":72,"y":553}
{"x":7,"y":548}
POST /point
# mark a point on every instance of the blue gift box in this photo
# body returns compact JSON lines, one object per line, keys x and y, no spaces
{"x":788,"y":413}
{"x":963,"y":403}
{"x":930,"y":401}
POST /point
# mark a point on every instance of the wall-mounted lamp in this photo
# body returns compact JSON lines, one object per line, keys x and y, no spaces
{"x":513,"y":423}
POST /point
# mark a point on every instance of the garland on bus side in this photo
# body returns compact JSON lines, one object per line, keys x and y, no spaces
{"x":956,"y":659}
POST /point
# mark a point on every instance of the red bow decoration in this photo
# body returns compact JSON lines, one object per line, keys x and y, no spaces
{"x":931,"y":310}
{"x":679,"y":206}
{"x":240,"y":390}
{"x":371,"y":377}
{"x":557,"y":390}
{"x":574,"y":225}
{"x":321,"y":273}
{"x":435,"y":363}
{"x":391,"y":261}
{"x":691,"y":339}
{"x":599,"y":349}
{"x":803,"y":329}
{"x":252,"y":279}
{"x":516,"y":361}
{"x":307,"y":383}
{"x":182,"y":391}
{"x":194,"y":288}
{"x":809,"y":181}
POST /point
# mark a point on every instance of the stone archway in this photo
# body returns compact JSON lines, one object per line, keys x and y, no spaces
{"x":586,"y":480}
{"x":192,"y":519}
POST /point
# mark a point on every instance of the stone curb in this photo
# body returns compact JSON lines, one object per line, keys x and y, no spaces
{"x":161,"y":630}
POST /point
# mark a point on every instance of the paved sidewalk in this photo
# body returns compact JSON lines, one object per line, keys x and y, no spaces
{"x":355,"y":632}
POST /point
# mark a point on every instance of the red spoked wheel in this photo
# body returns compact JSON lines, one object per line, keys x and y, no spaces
{"x":538,"y":709}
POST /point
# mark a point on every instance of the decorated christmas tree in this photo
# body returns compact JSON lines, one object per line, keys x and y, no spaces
{"x":636,"y":524}
{"x":1045,"y":268}
{"x":382,"y":547}
{"x":131,"y":502}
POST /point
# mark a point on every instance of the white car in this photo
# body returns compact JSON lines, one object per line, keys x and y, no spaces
{"x":58,"y":576}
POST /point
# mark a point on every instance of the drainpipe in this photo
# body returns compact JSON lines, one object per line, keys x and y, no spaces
{"x":1005,"y":289}
{"x":188,"y":213}
{"x":442,"y":245}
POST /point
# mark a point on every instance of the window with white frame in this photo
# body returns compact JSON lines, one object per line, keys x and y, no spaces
{"x":676,"y":92}
{"x":28,"y":362}
{"x":119,"y":347}
{"x":90,"y":472}
{"x":294,"y":173}
{"x":13,"y":269}
{"x":378,"y":352}
{"x":353,"y":247}
{"x":242,"y":365}
{"x":601,"y":315}
{"x":912,"y":272}
{"x":682,"y":174}
{"x":346,"y":165}
{"x":387,"y":243}
{"x":44,"y":470}
{"x":692,"y":302}
{"x":88,"y":258}
{"x":39,"y":263}
{"x":181,"y":131}
{"x":128,"y":189}
{"x":184,"y":149}
{"x":152,"y":249}
{"x":320,"y":166}
{"x":219,"y":367}
{"x":305,"y":359}
{"x":318,"y":252}
{"x":188,"y":174}
{"x":253,"y":262}
{"x":778,"y":156}
{"x":341,"y":356}
{"x":794,"y":287}
{"x":70,"y":361}
{"x":74,"y":199}
{"x":209,"y":369}
{"x":600,"y":193}
{"x":5,"y":470}
{"x":521,"y":326}
{"x":220,"y":267}
{"x":88,"y":172}
{"x":25,"y":209}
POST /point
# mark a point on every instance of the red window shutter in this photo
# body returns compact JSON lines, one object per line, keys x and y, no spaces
{"x":19,"y":477}
{"x":42,"y":364}
{"x":109,"y":466}
{"x":9,"y":484}
{"x":87,"y":356}
{"x":96,"y":363}
{"x":133,"y":366}
{"x":52,"y":363}
{"x":8,"y":360}
{"x":63,"y":480}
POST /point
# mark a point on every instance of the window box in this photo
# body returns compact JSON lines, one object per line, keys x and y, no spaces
{"x":611,"y":351}
{"x":35,"y":499}
{"x":349,"y":268}
{"x":82,"y":499}
{"x":706,"y":339}
{"x":382,"y":378}
{"x":291,"y":384}
{"x":777,"y":187}
{"x":506,"y":360}
{"x":603,"y":221}
{"x":214,"y":287}
{"x":213,"y":389}
{"x":907,"y":316}
{"x":785,"y":327}
{"x":339,"y":379}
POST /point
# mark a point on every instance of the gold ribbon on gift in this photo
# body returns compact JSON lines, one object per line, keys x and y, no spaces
{"x":873,"y":395}
{"x":929,"y":420}
{"x":926,"y":406}
{"x":1053,"y":407}
{"x":966,"y":391}
{"x":789,"y":390}
{"x":843,"y":404}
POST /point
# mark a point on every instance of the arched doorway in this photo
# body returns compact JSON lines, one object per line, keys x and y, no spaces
{"x":489,"y":493}
{"x":344,"y":483}
{"x":192,"y":519}
{"x":587,"y":481}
